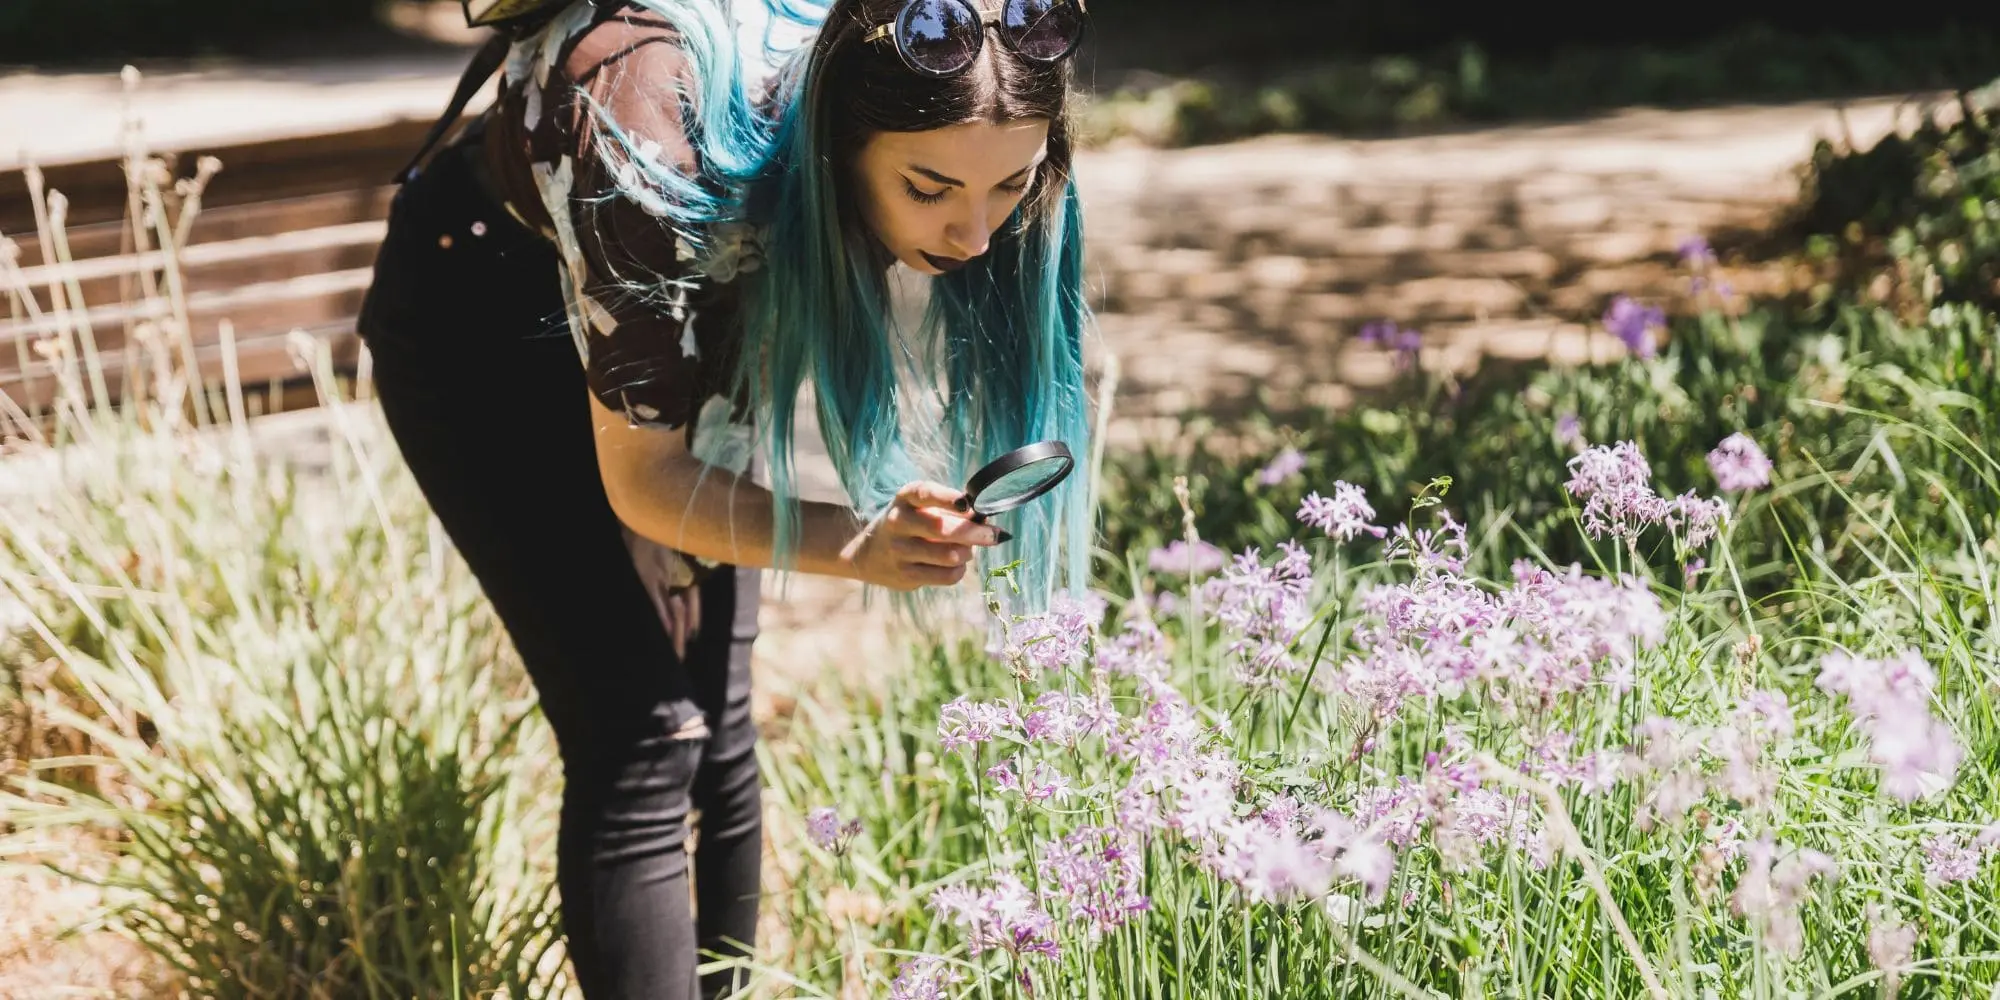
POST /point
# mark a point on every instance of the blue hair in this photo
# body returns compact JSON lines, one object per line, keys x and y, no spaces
{"x":1010,"y":324}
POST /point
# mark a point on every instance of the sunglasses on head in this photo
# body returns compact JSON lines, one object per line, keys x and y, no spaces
{"x":940,"y":38}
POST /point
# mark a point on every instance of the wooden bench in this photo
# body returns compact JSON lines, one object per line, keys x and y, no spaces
{"x":284,"y":240}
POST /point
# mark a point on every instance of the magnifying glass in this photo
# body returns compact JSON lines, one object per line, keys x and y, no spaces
{"x":1017,"y":477}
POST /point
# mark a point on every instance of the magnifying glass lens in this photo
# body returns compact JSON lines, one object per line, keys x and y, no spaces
{"x":1025,"y":482}
{"x":1019,"y":476}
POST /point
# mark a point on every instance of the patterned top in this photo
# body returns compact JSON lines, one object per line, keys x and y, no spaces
{"x":663,"y":360}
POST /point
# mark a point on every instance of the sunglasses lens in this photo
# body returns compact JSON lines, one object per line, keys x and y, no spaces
{"x":1043,"y":30}
{"x":939,"y":36}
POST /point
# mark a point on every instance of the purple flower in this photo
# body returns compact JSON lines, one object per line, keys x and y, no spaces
{"x":1696,"y":253}
{"x":1140,"y":650}
{"x":924,"y":978}
{"x":1284,"y":465}
{"x":1343,"y":515}
{"x":1569,"y":431}
{"x":1769,"y":894}
{"x":1265,"y":606}
{"x":1891,"y":943}
{"x":1388,"y":336}
{"x":1948,"y":859}
{"x":1616,"y":484}
{"x":1059,"y":638}
{"x":1274,"y":864}
{"x":963,"y":722}
{"x":1701,"y":518}
{"x":1095,"y":873}
{"x":1634,"y":324}
{"x":1004,"y":916}
{"x":1178,"y":558}
{"x":1739,"y":464}
{"x":1890,"y":700}
{"x":1063,"y":719}
{"x":824,"y":827}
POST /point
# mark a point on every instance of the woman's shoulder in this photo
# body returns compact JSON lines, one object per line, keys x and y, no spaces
{"x":622,"y":56}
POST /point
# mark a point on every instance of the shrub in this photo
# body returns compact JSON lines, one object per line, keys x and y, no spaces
{"x":276,"y":695}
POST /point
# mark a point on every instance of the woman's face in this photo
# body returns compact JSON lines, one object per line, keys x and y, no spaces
{"x":935,"y":198}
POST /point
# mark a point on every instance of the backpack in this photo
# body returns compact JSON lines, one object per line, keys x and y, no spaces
{"x":511,"y":20}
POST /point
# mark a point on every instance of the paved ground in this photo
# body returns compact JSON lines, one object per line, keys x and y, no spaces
{"x":1220,"y":273}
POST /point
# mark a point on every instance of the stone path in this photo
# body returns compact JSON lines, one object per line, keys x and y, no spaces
{"x":1235,"y":269}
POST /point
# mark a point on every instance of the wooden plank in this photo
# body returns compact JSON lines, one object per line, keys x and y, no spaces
{"x":252,"y":173}
{"x":201,"y":255}
{"x":105,"y":239}
{"x":260,"y":358}
{"x":207,"y":302}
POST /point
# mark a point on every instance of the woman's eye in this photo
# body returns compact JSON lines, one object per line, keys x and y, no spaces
{"x":1015,"y":189}
{"x":920,"y":195}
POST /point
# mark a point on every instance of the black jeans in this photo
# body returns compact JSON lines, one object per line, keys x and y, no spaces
{"x":485,"y":396}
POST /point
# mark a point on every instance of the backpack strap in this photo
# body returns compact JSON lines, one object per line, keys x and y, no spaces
{"x":484,"y":64}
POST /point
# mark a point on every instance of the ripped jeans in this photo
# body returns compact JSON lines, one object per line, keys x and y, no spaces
{"x":485,"y":396}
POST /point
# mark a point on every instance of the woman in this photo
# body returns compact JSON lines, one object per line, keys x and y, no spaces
{"x":628,"y":204}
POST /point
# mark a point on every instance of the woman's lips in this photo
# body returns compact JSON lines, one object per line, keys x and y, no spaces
{"x":945,"y":264}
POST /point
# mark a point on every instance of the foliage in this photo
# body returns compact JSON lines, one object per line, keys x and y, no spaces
{"x":1363,"y":770}
{"x":270,"y":689}
{"x":1455,"y":85}
{"x":1911,"y":221}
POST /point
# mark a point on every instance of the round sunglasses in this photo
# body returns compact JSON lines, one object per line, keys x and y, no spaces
{"x":940,"y":38}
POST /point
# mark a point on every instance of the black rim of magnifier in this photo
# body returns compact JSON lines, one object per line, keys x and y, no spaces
{"x":1019,"y":458}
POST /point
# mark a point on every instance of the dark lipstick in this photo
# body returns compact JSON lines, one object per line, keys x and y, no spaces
{"x":945,"y":264}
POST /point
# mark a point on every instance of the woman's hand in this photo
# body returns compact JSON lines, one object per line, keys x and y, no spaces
{"x":924,"y":539}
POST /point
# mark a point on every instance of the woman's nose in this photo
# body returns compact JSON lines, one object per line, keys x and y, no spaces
{"x":969,"y":234}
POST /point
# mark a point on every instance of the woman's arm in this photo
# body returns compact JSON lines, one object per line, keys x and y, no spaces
{"x":663,"y":492}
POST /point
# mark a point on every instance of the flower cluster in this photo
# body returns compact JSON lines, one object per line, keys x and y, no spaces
{"x":1890,"y":701}
{"x":1265,"y":609}
{"x":1547,"y":635}
{"x":1005,"y":916}
{"x":1615,"y":482}
{"x":1059,"y":638}
{"x":1095,"y":874}
{"x":1407,"y":343}
{"x":1287,"y":464}
{"x":926,"y":977}
{"x":1951,"y":858}
{"x":1179,"y":558}
{"x":1343,"y":515}
{"x":963,"y":723}
{"x":828,"y":833}
{"x":1633,"y":324}
{"x":1281,"y":856}
{"x":1739,"y":464}
{"x":1771,"y":889}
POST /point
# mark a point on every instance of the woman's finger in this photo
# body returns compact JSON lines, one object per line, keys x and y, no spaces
{"x":925,"y":493}
{"x":943,"y":526}
{"x":929,"y":553}
{"x":933,"y":576}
